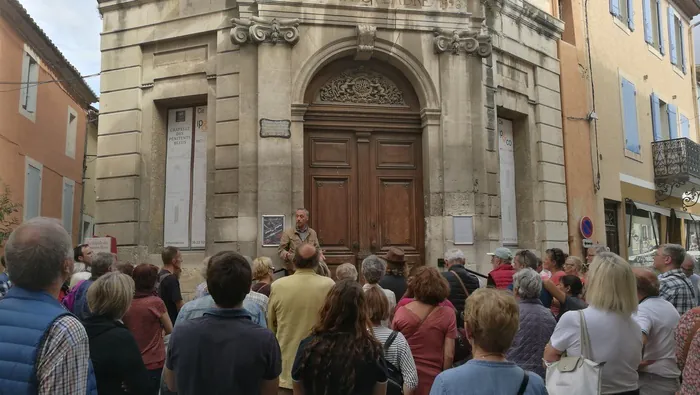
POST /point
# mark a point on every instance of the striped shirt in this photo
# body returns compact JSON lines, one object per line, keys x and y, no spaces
{"x":677,"y":289}
{"x":62,"y":367}
{"x":399,"y":355}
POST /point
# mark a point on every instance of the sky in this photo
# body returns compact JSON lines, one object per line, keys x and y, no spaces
{"x":74,"y":26}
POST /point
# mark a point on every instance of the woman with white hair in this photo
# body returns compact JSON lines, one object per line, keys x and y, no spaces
{"x":615,"y":337}
{"x":536,"y":323}
{"x":119,"y":368}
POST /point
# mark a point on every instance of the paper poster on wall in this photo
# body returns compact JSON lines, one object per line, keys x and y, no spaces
{"x":176,"y":227}
{"x":509,"y":224}
{"x":199,"y":179}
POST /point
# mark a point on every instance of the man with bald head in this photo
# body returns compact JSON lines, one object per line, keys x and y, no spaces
{"x":658,"y":318}
{"x":44,"y":349}
{"x":293,"y":308}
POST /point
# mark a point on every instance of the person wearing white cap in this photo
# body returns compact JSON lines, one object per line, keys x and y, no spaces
{"x":501,"y":276}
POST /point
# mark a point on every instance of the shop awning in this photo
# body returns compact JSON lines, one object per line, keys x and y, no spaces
{"x":653,"y":209}
{"x":686,"y":216}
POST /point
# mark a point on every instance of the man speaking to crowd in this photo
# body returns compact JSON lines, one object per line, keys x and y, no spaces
{"x":292,"y":238}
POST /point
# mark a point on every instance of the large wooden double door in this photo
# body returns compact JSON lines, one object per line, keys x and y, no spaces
{"x":364,"y":192}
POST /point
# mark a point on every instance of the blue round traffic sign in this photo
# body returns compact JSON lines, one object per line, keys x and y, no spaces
{"x":586,"y":227}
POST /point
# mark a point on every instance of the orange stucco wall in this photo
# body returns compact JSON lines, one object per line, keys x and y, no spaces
{"x":578,"y":133}
{"x":44,"y":140}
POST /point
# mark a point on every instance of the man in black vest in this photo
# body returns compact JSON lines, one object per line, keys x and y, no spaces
{"x":459,"y":290}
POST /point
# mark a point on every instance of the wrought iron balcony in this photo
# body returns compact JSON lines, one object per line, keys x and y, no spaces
{"x":677,"y":167}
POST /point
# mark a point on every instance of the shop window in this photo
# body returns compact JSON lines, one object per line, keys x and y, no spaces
{"x":642,"y":235}
{"x":692,"y":235}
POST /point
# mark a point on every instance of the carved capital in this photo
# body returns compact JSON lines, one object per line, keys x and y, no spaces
{"x":458,"y":41}
{"x":258,"y":30}
{"x":365,"y":41}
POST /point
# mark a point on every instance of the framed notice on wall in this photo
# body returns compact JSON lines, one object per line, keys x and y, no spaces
{"x":199,"y":179}
{"x":272,"y":229}
{"x":178,"y":162}
{"x":463,"y":228}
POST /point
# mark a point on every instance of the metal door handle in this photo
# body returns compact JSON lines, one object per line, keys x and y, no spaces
{"x":373,"y":246}
{"x":355,"y":246}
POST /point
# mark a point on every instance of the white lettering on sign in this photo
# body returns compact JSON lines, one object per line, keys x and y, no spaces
{"x":176,"y":227}
{"x":99,"y":244}
{"x":509,"y":224}
{"x":199,"y":179}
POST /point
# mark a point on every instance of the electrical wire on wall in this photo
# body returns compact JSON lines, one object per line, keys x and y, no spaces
{"x":596,"y":181}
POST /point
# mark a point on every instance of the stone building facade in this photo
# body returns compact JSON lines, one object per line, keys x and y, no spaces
{"x":381,"y":117}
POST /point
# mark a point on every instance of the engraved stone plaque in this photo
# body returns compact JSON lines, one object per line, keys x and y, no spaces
{"x":275,"y":128}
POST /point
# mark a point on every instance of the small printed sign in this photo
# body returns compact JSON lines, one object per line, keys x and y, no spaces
{"x":588,"y":243}
{"x":100,"y":244}
{"x":272,"y":229}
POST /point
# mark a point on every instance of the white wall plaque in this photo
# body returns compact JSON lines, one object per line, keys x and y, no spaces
{"x":463,"y":227}
{"x":199,"y":179}
{"x":509,"y":224}
{"x":176,"y":227}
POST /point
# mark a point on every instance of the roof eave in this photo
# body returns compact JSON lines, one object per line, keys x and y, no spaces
{"x":47,"y":50}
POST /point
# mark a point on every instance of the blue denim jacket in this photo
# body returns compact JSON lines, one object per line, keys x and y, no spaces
{"x":198,"y":307}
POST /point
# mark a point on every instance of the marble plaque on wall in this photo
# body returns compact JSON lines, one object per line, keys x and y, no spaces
{"x":279,"y":128}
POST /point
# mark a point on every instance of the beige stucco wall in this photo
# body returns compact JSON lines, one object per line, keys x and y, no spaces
{"x":460,"y":96}
{"x":616,"y":52}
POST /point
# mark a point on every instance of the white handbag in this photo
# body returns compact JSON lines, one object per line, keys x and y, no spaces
{"x":576,"y":375}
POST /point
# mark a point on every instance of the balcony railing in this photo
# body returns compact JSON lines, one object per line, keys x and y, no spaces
{"x":676,"y":161}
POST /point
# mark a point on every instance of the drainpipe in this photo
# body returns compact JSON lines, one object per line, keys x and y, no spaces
{"x":693,"y":76}
{"x":88,"y":121}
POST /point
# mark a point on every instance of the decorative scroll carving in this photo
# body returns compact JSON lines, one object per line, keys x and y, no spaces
{"x":457,"y":41}
{"x":259,"y":30}
{"x":361,"y":86}
{"x":365,"y":41}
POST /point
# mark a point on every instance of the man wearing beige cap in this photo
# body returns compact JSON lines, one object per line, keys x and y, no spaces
{"x":501,"y":276}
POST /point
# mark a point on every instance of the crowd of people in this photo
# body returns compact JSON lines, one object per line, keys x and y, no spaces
{"x":73,"y":322}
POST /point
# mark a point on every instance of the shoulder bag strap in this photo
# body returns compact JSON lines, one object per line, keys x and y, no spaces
{"x":523,"y":384}
{"x":466,"y":293}
{"x":687,"y":283}
{"x":586,"y":351}
{"x":390,"y":340}
{"x":689,"y":339}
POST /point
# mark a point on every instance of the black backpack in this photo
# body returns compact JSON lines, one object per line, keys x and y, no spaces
{"x":394,"y":385}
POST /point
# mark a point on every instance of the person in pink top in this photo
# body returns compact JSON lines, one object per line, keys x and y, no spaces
{"x":554,"y":260}
{"x":147,"y":318}
{"x":429,"y":327}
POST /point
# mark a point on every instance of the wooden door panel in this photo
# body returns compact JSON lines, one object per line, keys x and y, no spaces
{"x":331,"y":152}
{"x":396,"y":154}
{"x":396,"y":211}
{"x":331,"y":193}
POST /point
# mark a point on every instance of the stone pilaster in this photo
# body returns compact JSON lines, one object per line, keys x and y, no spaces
{"x":119,"y":161}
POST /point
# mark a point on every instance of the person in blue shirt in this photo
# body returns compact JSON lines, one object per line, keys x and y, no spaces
{"x":491,"y":320}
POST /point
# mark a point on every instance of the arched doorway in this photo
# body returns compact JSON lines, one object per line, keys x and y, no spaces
{"x":363,"y":177}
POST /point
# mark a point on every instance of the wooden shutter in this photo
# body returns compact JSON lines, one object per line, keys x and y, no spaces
{"x":672,"y":112}
{"x":630,"y":14}
{"x":660,"y":18}
{"x":67,"y":209}
{"x":629,"y":102}
{"x":648,"y":29}
{"x":615,"y":7}
{"x":685,"y":126}
{"x":672,"y":36}
{"x":656,"y":116}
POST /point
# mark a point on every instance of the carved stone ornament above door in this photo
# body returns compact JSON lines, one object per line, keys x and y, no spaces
{"x":258,"y":30}
{"x":365,"y":41}
{"x":458,"y":41}
{"x":361,"y":86}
